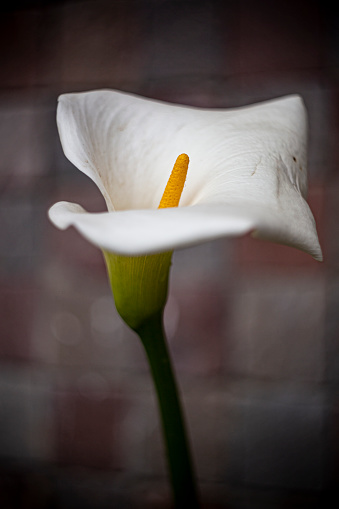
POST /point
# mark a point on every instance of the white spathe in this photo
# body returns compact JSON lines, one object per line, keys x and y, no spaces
{"x":247,"y":171}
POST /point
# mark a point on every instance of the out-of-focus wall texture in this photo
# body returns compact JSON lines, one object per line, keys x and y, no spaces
{"x":253,"y":327}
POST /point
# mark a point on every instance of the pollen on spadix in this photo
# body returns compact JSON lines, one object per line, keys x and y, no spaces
{"x":175,"y":184}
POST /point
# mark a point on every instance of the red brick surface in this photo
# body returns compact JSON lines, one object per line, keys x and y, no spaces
{"x":102,"y":45}
{"x":197,"y":313}
{"x":19,"y":48}
{"x":86,"y":426}
{"x":17,"y":304}
{"x":282,"y":37}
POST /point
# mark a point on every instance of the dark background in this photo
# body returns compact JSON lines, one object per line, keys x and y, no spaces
{"x":253,"y":327}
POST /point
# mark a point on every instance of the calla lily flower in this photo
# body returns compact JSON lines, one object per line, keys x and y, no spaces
{"x":247,"y":172}
{"x":236,"y":171}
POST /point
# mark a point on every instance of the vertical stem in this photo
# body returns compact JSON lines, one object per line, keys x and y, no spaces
{"x":179,"y":461}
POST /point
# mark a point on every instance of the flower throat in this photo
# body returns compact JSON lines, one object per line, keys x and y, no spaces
{"x":175,"y":184}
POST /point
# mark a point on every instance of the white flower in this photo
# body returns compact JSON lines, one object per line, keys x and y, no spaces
{"x":247,"y":172}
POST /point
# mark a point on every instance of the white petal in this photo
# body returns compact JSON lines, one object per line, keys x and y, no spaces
{"x":138,"y":232}
{"x":128,"y":146}
{"x":247,"y":171}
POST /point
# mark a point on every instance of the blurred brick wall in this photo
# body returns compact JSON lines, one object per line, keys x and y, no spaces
{"x":253,"y":327}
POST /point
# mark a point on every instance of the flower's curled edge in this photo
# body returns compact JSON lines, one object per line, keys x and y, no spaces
{"x":247,"y":172}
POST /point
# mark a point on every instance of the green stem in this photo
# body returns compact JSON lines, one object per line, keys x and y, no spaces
{"x":180,"y":466}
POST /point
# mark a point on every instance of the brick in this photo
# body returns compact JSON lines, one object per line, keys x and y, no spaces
{"x":210,"y":260}
{"x":332,"y":232}
{"x":277,"y":329}
{"x":196,"y":310}
{"x":86,"y":426}
{"x":17,"y":244}
{"x":274,"y":439}
{"x":26,"y":141}
{"x":284,"y":441}
{"x":290,"y":37}
{"x":101,"y":45}
{"x":78,"y":325}
{"x":333,"y":441}
{"x":19,"y":48}
{"x":17,"y":303}
{"x":49,"y":36}
{"x":26,"y":427}
{"x":331,"y":340}
{"x":62,"y":329}
{"x":194,"y":318}
{"x":183,"y":40}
